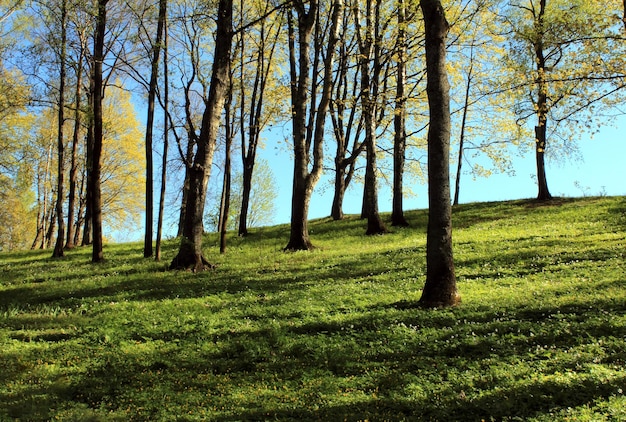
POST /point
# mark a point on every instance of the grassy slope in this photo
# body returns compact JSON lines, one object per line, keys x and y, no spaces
{"x":333,"y":334}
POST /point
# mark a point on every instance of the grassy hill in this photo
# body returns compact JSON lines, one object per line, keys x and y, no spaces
{"x":333,"y":334}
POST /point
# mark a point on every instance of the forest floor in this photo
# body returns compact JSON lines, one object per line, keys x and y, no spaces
{"x":333,"y":334}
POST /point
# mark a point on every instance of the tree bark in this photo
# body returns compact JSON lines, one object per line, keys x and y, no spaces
{"x":98,"y":93}
{"x":468,"y":86}
{"x":440,"y":287}
{"x":152,"y":91}
{"x":89,"y":142}
{"x":311,"y":135}
{"x":166,"y":99}
{"x":541,"y":107}
{"x":399,"y":123}
{"x":60,"y":240}
{"x":346,"y":130}
{"x":369,"y":49}
{"x":71,"y":203}
{"x":225,"y":200}
{"x":190,"y":252}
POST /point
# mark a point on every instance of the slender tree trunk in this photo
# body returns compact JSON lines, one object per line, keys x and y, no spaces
{"x":98,"y":93}
{"x":166,"y":99}
{"x":89,"y":142}
{"x":152,"y":91}
{"x":457,"y":184}
{"x":440,"y":287}
{"x":344,"y":129}
{"x":542,"y":108}
{"x":60,"y":240}
{"x":80,"y":219}
{"x":336,"y":211}
{"x":190,"y":252}
{"x":264,"y":60}
{"x":71,"y":203}
{"x":369,"y":94}
{"x":225,"y":200}
{"x":399,"y":123}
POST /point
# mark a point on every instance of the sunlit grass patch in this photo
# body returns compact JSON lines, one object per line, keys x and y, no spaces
{"x":334,"y":334}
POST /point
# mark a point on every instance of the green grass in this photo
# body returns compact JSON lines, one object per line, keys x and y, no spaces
{"x":334,"y":334}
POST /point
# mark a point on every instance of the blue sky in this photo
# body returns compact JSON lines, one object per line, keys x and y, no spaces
{"x":601,"y":170}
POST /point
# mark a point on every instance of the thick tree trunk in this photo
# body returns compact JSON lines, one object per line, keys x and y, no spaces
{"x":308,"y":137}
{"x":399,"y":123}
{"x":60,"y":240}
{"x":440,"y":288}
{"x":375,"y":224}
{"x":183,"y":202}
{"x":190,"y":252}
{"x":98,"y":92}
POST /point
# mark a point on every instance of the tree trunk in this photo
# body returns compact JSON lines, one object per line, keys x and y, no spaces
{"x":98,"y":93}
{"x":264,"y":59}
{"x":399,"y":123}
{"x":190,"y":252}
{"x":152,"y":90}
{"x":60,"y":240}
{"x":344,"y":129}
{"x":369,"y":93}
{"x":440,"y":287}
{"x":311,"y":134}
{"x":71,"y":202}
{"x":336,"y":211}
{"x":225,"y":200}
{"x":457,"y":184}
{"x":183,"y":202}
{"x":541,"y":107}
{"x":166,"y":99}
{"x":89,"y":142}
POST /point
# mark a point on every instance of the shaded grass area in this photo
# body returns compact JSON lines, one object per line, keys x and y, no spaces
{"x":334,"y":334}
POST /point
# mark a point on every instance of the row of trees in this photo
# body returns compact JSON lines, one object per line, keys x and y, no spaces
{"x":373,"y":78}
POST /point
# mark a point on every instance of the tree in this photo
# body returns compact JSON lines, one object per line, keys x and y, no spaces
{"x":98,"y":131}
{"x":190,"y":252}
{"x":399,"y":121}
{"x":440,"y":287}
{"x":566,"y":61}
{"x":166,"y":99}
{"x":370,"y":64}
{"x":152,"y":92}
{"x":60,"y":241}
{"x":253,"y":91}
{"x":262,"y":200}
{"x":347,"y":121}
{"x":308,"y":120}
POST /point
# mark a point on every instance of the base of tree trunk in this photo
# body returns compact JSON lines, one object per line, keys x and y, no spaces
{"x":193,"y":262}
{"x":399,"y":221}
{"x":375,"y":226}
{"x":544,"y":197}
{"x":299,"y":245}
{"x":439,"y":301}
